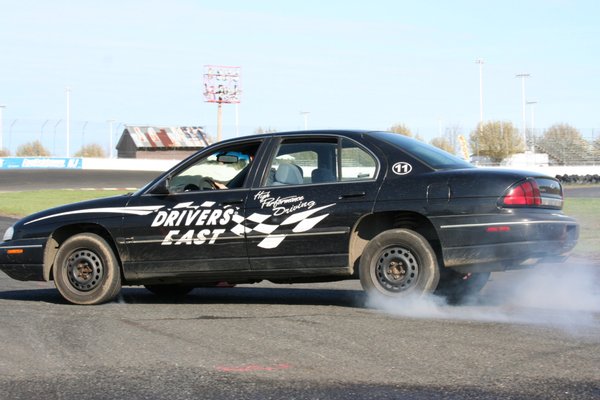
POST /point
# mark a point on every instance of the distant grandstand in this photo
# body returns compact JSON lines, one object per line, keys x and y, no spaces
{"x":560,"y":153}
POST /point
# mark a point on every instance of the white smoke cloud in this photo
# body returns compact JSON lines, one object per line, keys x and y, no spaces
{"x":565,"y":296}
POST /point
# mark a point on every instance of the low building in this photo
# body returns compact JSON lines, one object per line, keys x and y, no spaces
{"x":161,"y":142}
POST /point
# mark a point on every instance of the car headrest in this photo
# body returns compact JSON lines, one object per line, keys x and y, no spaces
{"x":288,"y":174}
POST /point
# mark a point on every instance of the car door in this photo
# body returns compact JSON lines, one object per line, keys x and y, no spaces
{"x":187,"y":222}
{"x":300,"y":212}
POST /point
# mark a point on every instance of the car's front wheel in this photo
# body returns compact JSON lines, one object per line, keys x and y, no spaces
{"x":399,"y":262}
{"x":86,"y":270}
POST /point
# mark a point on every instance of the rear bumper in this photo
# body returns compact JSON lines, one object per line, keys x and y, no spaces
{"x":509,"y":243}
{"x":23,"y":259}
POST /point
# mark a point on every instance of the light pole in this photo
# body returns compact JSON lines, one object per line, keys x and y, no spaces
{"x":222,"y":84}
{"x":305,"y":115}
{"x":532,"y":104}
{"x":524,"y":123}
{"x":10,"y":134}
{"x":54,"y":137}
{"x":2,"y":107}
{"x":68,"y":92}
{"x":83,"y":138}
{"x":110,"y":137}
{"x":480,"y":62}
{"x":42,"y":130}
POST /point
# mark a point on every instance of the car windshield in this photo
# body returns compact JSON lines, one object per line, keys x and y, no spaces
{"x":430,"y":155}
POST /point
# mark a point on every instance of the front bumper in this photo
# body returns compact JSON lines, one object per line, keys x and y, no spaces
{"x":23,"y":259}
{"x":509,"y":242}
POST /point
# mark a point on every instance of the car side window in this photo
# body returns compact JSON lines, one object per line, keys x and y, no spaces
{"x":303,"y":162}
{"x":357,"y":164}
{"x":225,"y":168}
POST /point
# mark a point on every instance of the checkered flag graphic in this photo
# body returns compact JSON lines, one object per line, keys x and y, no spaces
{"x":255,"y":222}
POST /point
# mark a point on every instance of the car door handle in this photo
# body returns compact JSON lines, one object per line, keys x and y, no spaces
{"x":352,"y":195}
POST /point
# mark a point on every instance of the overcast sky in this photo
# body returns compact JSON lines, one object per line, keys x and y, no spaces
{"x":351,"y":64}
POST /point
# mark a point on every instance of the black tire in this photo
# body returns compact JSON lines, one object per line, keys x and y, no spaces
{"x":458,"y":287}
{"x":86,"y":270}
{"x":169,"y":290}
{"x":399,"y":262}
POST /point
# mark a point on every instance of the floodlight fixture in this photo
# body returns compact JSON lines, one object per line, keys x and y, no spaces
{"x":222,"y":84}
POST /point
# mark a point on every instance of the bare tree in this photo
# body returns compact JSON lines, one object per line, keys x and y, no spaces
{"x":496,"y":140}
{"x":442,"y":143}
{"x":449,"y":141}
{"x":34,"y":148}
{"x":91,"y":150}
{"x":400,"y":129}
{"x":260,"y":130}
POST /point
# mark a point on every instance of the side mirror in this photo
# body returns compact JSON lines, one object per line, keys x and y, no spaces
{"x":161,"y":187}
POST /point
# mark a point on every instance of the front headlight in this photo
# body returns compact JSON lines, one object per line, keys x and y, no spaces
{"x":8,"y":235}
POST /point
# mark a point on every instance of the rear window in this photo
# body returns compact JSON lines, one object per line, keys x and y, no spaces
{"x":430,"y":155}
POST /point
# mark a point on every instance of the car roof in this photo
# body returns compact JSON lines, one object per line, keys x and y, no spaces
{"x":351,"y":133}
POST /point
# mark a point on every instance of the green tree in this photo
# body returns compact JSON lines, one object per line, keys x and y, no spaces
{"x":34,"y":148}
{"x":442,"y":143}
{"x":496,"y":140}
{"x":400,"y":129}
{"x":91,"y":150}
{"x":564,"y":144}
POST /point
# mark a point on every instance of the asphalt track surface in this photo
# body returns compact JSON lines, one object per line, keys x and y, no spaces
{"x":529,"y":335}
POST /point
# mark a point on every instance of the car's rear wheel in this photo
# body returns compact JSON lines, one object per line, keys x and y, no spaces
{"x":86,"y":270}
{"x":457,"y":287}
{"x":399,"y":262}
{"x":169,"y":290}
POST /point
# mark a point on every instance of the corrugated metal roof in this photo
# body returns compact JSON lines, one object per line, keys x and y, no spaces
{"x":167,"y":137}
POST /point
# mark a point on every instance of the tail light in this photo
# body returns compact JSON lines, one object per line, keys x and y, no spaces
{"x":541,"y":192}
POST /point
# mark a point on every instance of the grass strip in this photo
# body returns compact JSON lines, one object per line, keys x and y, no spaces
{"x":20,"y":204}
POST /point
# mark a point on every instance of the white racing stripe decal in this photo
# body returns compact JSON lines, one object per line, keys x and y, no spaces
{"x":141,"y":210}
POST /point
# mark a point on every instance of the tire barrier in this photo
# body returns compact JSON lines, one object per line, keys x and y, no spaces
{"x":579,"y":179}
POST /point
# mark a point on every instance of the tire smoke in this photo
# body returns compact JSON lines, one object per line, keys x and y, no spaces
{"x":565,"y":296}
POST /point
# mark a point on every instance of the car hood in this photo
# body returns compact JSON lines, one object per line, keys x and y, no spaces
{"x":98,"y":208}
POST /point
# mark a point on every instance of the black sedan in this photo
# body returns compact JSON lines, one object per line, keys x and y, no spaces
{"x":402,"y":216}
